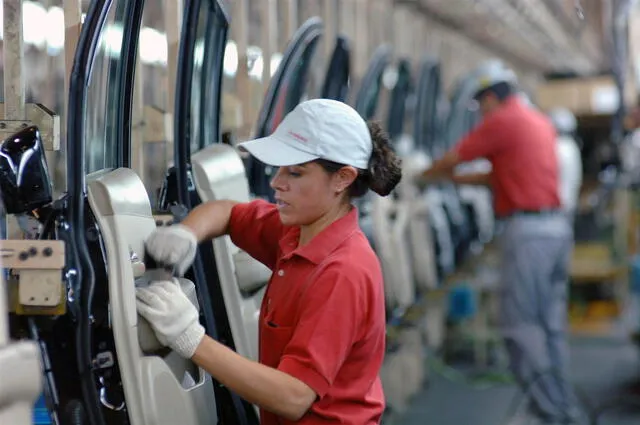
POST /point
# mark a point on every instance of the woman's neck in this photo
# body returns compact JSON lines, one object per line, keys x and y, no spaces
{"x":309,"y":231}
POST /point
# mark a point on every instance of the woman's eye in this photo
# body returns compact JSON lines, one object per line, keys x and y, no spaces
{"x":294,"y":172}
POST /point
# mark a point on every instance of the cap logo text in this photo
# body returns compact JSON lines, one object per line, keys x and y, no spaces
{"x":298,"y":136}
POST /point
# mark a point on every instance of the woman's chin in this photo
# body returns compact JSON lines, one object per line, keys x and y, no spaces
{"x":287,"y":219}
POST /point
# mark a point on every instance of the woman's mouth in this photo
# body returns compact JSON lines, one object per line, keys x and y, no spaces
{"x":281,"y":204}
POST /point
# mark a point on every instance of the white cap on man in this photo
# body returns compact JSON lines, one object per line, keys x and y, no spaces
{"x":316,"y":129}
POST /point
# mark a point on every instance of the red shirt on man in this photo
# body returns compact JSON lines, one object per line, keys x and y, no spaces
{"x":520,"y":143}
{"x":322,"y":318}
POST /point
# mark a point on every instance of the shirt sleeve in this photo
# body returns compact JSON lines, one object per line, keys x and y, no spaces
{"x":483,"y":141}
{"x":332,"y":311}
{"x":255,"y":227}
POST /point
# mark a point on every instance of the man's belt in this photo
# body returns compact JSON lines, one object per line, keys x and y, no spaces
{"x":539,"y":212}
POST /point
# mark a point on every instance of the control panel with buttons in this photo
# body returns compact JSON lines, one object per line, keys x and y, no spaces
{"x":35,"y":285}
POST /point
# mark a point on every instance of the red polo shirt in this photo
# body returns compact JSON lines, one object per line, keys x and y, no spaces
{"x":520,"y":143}
{"x":322,"y":318}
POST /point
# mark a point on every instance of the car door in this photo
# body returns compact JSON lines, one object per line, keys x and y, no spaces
{"x":366,"y":103}
{"x":429,"y":113}
{"x":367,"y":97}
{"x":285,"y":91}
{"x":430,"y":107}
{"x":196,"y":127}
{"x":402,"y":91}
{"x":463,"y":117}
{"x":430,"y":138}
{"x":336,"y":81}
{"x":98,"y":141}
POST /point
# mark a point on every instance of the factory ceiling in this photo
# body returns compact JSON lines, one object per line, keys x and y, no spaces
{"x":549,"y":36}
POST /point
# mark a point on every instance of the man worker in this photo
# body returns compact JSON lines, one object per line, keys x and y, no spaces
{"x":569,"y":159}
{"x":536,"y":241}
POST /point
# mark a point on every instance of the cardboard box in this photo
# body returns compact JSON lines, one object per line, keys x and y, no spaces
{"x":583,"y":96}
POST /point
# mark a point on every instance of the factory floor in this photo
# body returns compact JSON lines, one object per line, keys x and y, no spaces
{"x":602,"y":369}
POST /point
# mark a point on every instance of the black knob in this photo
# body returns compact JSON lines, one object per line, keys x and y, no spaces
{"x":47,"y":252}
{"x":24,"y":256}
{"x":33,"y":251}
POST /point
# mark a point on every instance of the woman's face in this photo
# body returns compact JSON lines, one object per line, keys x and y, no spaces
{"x":306,"y":192}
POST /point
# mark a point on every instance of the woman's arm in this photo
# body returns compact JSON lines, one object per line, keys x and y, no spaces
{"x":271,"y":389}
{"x":209,"y":220}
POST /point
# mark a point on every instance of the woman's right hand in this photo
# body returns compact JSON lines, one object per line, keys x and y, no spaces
{"x":173,"y":246}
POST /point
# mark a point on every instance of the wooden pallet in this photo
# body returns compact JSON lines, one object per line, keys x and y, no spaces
{"x":592,"y":263}
{"x":592,"y":327}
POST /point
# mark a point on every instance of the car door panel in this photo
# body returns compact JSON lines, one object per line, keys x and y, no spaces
{"x":336,"y":81}
{"x":197,"y":127}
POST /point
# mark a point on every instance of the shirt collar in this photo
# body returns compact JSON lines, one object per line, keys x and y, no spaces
{"x":513,"y":99}
{"x":324,"y":243}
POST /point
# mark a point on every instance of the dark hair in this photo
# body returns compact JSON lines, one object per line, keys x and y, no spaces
{"x":384,"y":171}
{"x":500,"y":90}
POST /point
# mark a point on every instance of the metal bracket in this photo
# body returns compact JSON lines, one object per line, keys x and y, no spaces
{"x":48,"y":123}
{"x":36,"y":286}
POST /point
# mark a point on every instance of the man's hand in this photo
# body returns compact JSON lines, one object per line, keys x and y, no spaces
{"x":431,"y":176}
{"x":422,"y":181}
{"x":173,"y":246}
{"x":441,"y":169}
{"x":171,"y":315}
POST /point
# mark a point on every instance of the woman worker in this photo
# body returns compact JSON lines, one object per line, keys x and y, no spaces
{"x":322,"y":320}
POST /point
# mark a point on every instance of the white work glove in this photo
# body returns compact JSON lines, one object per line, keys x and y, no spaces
{"x":173,"y":246}
{"x":172,"y":316}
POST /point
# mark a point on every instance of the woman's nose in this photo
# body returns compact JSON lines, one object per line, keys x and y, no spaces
{"x":277,"y":182}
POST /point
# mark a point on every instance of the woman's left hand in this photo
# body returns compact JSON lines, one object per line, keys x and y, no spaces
{"x":172,"y":316}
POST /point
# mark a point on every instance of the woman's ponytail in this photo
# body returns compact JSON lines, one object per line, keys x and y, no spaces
{"x":385,"y":167}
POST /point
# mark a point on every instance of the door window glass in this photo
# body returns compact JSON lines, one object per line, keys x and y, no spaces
{"x":101,"y":136}
{"x":205,"y":81}
{"x":336,"y":81}
{"x":400,"y":95}
{"x":294,"y":89}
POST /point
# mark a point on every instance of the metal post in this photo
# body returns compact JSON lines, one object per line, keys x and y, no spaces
{"x":330,"y":18}
{"x":4,"y":313}
{"x":291,"y":18}
{"x":361,"y":41}
{"x":137,"y":136}
{"x":173,"y":24}
{"x":19,"y":409}
{"x":269,"y":38}
{"x":13,"y":54}
{"x":240,"y":29}
{"x":73,"y":25}
{"x":14,"y":105}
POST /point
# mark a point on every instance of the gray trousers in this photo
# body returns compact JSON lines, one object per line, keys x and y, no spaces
{"x":536,"y":253}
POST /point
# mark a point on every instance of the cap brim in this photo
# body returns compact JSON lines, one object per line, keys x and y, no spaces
{"x":275,"y":152}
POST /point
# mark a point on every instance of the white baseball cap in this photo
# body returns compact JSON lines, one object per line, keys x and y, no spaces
{"x":316,"y":129}
{"x":493,"y":72}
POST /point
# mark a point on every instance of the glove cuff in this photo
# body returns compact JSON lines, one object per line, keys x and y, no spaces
{"x":190,"y":255}
{"x":186,"y":344}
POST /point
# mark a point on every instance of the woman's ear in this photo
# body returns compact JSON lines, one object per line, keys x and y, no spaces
{"x":343,"y":178}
